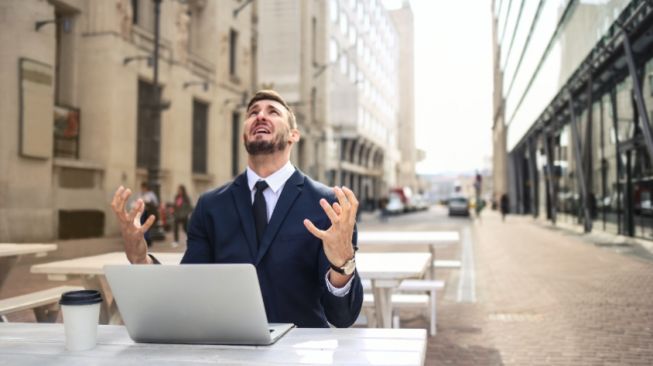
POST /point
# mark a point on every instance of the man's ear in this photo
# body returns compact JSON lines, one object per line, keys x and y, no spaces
{"x":295,"y":136}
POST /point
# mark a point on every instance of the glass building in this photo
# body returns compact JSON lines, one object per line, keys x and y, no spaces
{"x":573,"y":110}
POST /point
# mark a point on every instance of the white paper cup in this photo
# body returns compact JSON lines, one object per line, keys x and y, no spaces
{"x":81,"y":314}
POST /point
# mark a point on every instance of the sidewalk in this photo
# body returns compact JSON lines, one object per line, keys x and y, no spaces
{"x":545,"y":297}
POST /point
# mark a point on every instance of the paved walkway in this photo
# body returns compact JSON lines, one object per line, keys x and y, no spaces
{"x":545,"y":297}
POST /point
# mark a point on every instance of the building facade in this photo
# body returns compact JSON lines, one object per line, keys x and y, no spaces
{"x":78,"y":105}
{"x":402,"y":18}
{"x":337,"y":63}
{"x":576,"y":102}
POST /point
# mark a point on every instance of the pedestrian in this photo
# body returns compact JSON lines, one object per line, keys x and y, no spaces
{"x":183,"y":208}
{"x":151,"y":203}
{"x":307,"y":273}
{"x":504,"y":206}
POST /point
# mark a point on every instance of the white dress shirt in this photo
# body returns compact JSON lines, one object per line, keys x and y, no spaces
{"x":276,"y":181}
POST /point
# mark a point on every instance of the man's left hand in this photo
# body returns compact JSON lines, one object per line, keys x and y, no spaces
{"x":337,"y":239}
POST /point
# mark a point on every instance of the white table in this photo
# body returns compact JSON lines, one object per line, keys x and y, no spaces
{"x":91,"y":272}
{"x":41,"y":343}
{"x":386,"y":271}
{"x":434,"y":240}
{"x":11,"y":252}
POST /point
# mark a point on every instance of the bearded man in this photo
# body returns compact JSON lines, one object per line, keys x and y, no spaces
{"x":298,"y":233}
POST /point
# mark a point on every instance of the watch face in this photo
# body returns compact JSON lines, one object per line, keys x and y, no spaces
{"x":349,"y":267}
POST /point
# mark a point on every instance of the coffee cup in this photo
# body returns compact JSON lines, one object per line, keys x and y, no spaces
{"x":81,"y":314}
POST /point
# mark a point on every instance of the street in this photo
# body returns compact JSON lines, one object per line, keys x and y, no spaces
{"x":527,"y":293}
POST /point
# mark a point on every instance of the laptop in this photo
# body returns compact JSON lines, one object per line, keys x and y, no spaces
{"x":193,"y":304}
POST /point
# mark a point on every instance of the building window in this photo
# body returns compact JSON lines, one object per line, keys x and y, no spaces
{"x":333,"y":10}
{"x":333,"y":50}
{"x":200,"y":132}
{"x":147,"y":148}
{"x":135,"y":11}
{"x":233,"y":46}
{"x":235,"y":143}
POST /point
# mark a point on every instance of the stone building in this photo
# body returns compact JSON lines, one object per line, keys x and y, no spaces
{"x":77,"y":110}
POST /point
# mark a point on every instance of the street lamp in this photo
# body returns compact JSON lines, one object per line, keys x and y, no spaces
{"x":153,"y":166}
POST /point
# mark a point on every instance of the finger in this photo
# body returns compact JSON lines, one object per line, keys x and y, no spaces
{"x":337,"y":208}
{"x":329,"y":211}
{"x":351,"y":197}
{"x":123,"y":199}
{"x":320,"y":234}
{"x":344,"y":203}
{"x":148,"y":223}
{"x":116,"y":199}
{"x":137,"y":210}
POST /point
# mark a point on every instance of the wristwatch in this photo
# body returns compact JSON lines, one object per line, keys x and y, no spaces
{"x":347,"y":268}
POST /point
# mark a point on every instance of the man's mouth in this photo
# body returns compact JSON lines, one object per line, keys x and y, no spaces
{"x":261,"y":130}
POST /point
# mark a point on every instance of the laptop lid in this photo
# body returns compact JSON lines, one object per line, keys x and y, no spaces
{"x":192,"y":303}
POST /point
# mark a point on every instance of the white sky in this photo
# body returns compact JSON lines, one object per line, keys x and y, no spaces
{"x":453,"y":83}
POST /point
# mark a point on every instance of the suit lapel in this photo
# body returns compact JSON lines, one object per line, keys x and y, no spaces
{"x":243,"y":199}
{"x":289,"y":194}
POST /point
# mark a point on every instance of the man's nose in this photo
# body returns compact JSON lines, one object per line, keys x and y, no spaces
{"x":260,"y":116}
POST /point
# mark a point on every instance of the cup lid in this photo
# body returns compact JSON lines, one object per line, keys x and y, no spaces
{"x":80,"y":297}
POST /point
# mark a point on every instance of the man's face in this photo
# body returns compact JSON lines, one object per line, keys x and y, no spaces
{"x":267,"y":129}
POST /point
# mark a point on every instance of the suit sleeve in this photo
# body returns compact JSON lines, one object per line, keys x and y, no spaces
{"x":199,"y":248}
{"x":342,"y":311}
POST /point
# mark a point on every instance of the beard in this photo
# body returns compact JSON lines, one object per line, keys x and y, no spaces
{"x":267,"y":147}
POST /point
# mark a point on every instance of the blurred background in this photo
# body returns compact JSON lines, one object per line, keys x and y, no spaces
{"x":409,"y":103}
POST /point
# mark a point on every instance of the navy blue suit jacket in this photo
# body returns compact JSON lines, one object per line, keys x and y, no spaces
{"x":290,"y":262}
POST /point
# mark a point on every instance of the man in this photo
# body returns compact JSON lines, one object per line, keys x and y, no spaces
{"x":306,"y":272}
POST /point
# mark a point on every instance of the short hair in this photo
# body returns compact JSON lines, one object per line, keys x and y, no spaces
{"x":273,"y":95}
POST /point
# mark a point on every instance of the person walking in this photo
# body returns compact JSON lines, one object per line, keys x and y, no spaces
{"x":504,"y":206}
{"x":183,"y":209}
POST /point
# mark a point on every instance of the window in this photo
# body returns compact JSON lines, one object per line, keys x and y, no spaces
{"x":233,"y":47}
{"x":200,"y":131}
{"x":333,"y":50}
{"x":235,"y":143}
{"x":135,"y":12}
{"x":333,"y":10}
{"x":147,"y":148}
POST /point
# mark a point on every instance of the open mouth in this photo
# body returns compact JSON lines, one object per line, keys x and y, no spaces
{"x":261,"y":130}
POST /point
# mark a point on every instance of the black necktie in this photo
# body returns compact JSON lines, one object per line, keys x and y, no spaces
{"x":260,"y":210}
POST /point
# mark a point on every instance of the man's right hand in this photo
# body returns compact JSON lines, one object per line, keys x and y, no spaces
{"x":130,"y":226}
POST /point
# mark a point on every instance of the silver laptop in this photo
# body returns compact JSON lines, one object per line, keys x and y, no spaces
{"x":192,"y":303}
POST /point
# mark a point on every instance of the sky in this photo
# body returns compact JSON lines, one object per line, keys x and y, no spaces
{"x":453,"y":84}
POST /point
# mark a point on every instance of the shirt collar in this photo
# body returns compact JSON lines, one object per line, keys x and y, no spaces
{"x":275,"y":180}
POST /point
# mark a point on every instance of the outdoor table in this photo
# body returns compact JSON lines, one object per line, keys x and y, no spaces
{"x":386,"y":271}
{"x":434,"y":240}
{"x":10,"y":253}
{"x":42,"y":343}
{"x":91,"y":272}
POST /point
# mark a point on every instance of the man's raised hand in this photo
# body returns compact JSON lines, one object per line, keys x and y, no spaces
{"x":130,"y":226}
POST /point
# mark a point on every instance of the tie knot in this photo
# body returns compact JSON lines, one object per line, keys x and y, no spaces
{"x":261,"y":185}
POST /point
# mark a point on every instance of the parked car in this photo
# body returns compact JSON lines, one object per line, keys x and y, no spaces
{"x":405,"y":194}
{"x":458,"y":205}
{"x":394,"y":206}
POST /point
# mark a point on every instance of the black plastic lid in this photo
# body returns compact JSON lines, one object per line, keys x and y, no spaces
{"x":80,"y":297}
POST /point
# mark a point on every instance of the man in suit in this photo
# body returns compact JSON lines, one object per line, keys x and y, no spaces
{"x":299,"y":234}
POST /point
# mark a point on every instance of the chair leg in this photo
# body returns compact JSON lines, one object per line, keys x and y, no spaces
{"x":432,"y":318}
{"x":395,"y":321}
{"x":371,"y":318}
